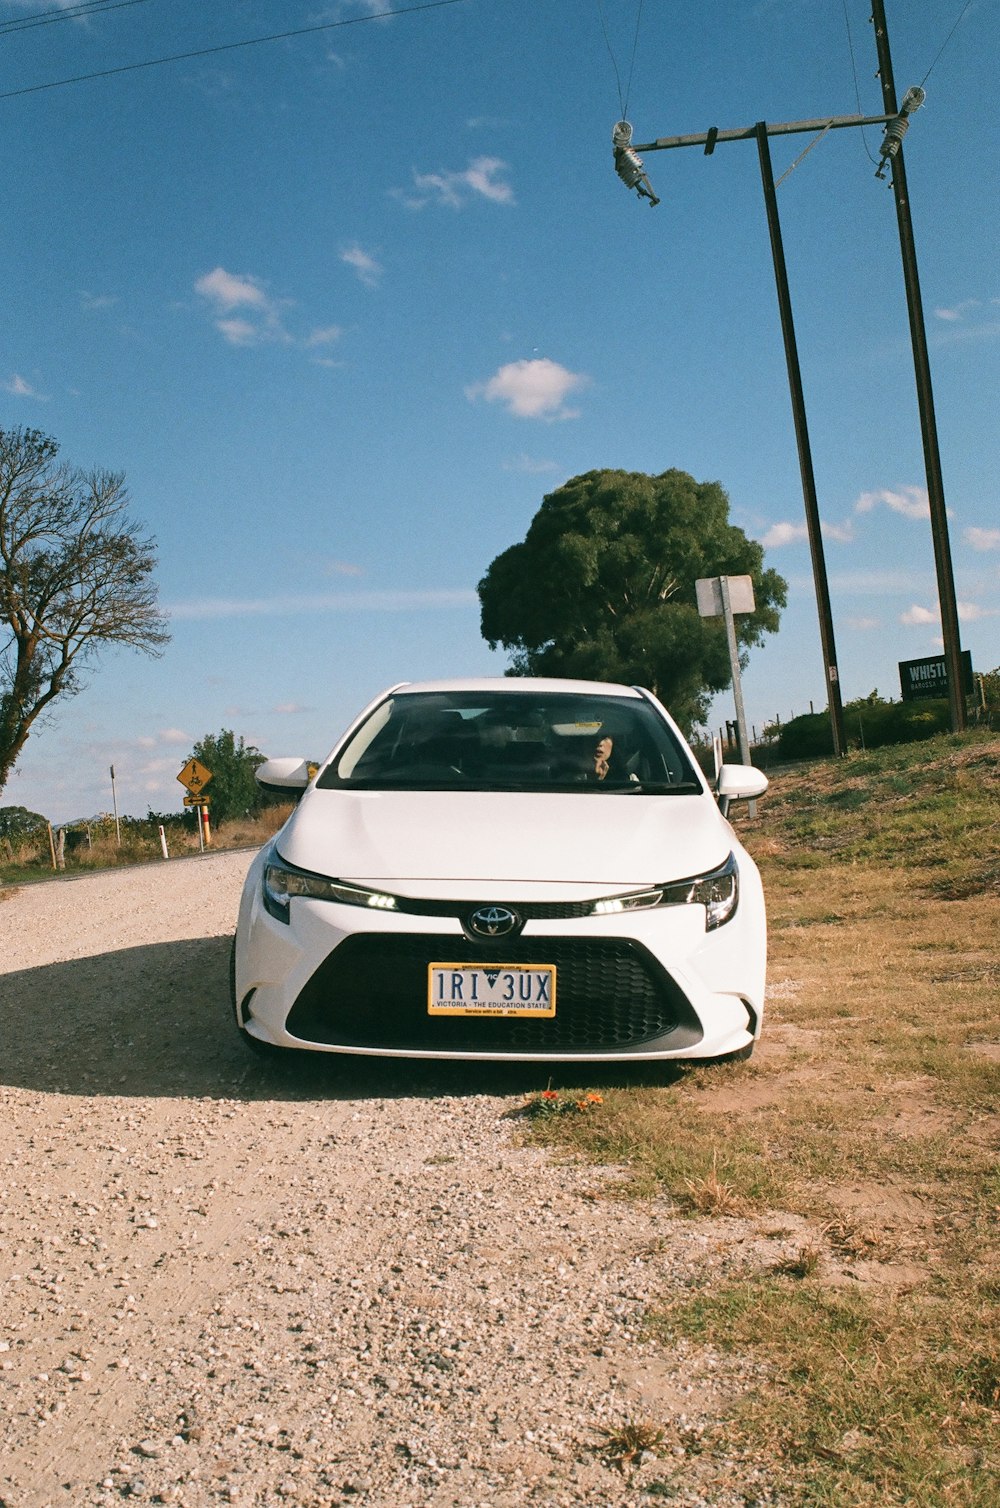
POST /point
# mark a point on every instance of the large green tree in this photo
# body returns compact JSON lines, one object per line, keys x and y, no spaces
{"x":76,"y":575}
{"x":603,"y":587}
{"x":233,"y":791}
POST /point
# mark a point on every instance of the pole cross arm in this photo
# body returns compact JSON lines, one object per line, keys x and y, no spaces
{"x":748,"y":133}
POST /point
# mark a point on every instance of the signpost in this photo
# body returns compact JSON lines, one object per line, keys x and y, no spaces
{"x":194,"y":777}
{"x":723,"y":597}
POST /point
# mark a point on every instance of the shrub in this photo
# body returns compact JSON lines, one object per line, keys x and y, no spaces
{"x":870,"y":723}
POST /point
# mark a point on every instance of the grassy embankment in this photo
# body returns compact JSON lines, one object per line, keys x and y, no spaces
{"x":869,"y":1113}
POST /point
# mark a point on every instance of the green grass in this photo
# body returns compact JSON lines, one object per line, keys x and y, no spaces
{"x":867,"y":1407}
{"x":870,"y":1115}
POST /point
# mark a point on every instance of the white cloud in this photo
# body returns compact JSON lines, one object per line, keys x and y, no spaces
{"x":229,"y":291}
{"x":325,"y":336}
{"x":957,"y":311}
{"x":368,"y":269}
{"x":289,"y":709}
{"x":343,"y":568}
{"x":983,"y":539}
{"x":480,"y":176}
{"x":531,"y":389}
{"x":96,"y":300}
{"x":911,"y":502}
{"x":239,"y":332}
{"x":917,"y":615}
{"x":968,"y":612}
{"x":246,"y":315}
{"x":529,"y":465}
{"x":784,"y":534}
{"x":971,"y":612}
{"x":864,"y":625}
{"x":259,"y":320}
{"x":168,"y":736}
{"x":454,"y":189}
{"x":788,"y":533}
{"x":19,"y":388}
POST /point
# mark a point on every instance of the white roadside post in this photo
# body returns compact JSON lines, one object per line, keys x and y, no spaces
{"x":114,"y":803}
{"x":724,"y":596}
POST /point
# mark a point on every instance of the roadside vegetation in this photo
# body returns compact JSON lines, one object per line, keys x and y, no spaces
{"x":863,"y":1133}
{"x":242,"y":815}
{"x":26,"y":854}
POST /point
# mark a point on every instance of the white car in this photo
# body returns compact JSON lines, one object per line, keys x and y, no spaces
{"x":505,"y":869}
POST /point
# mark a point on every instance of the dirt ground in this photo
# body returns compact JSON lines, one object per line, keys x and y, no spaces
{"x":321,"y":1282}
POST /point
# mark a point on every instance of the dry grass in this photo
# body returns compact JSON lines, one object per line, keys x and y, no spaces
{"x":626,"y":1444}
{"x":864,"y":1129}
{"x":710,"y":1196}
{"x":31,"y":860}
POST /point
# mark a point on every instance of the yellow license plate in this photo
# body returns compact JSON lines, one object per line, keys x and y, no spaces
{"x":504,"y":989}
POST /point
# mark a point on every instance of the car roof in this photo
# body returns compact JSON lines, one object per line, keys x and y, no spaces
{"x":547,"y":685}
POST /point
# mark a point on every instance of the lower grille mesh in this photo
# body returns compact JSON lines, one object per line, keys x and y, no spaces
{"x":612,"y":995}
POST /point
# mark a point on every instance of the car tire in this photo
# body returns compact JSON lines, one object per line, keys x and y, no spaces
{"x":741,"y":1055}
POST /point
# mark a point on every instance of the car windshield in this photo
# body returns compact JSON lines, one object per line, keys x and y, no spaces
{"x":503,"y":741}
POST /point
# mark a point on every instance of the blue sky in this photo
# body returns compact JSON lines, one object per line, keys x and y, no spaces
{"x":345,"y":306}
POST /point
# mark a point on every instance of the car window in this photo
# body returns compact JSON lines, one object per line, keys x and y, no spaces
{"x":513,"y":741}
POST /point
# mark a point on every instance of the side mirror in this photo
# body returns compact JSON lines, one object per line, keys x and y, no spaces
{"x":739,"y":782}
{"x":284,"y":777}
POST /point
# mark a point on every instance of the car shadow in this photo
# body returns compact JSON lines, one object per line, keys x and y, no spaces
{"x":156,"y":1020}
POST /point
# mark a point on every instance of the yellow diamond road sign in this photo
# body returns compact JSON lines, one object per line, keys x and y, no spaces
{"x":195,"y":776}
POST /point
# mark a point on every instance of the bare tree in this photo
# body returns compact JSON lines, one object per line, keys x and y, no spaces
{"x":75,"y":574}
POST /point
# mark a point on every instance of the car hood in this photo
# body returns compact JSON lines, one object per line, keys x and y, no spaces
{"x":414,"y":841}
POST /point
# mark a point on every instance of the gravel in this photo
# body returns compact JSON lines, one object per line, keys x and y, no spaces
{"x":317,"y":1282}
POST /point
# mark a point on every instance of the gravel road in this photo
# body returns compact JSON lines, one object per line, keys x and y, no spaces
{"x":334,"y":1281}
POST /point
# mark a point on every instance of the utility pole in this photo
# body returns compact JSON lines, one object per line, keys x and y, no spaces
{"x":834,"y":700}
{"x":630,"y":168}
{"x":925,"y":395}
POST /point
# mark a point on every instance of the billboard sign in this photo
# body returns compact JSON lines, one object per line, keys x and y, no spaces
{"x":929,"y":677}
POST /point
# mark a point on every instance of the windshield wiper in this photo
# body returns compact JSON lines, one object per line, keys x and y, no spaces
{"x":662,"y":788}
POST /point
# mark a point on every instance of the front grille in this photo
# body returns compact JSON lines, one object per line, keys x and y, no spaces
{"x":612,"y":996}
{"x":529,"y":911}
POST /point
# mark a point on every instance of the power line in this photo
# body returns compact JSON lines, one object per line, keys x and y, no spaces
{"x":204,"y":52}
{"x":947,"y":39}
{"x":622,"y":96}
{"x":69,"y":13}
{"x":857,"y":86}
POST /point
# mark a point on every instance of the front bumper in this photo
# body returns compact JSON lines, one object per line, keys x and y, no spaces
{"x":652,"y":985}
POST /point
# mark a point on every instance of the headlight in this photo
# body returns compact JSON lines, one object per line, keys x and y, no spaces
{"x":282,"y":881}
{"x":718,"y":891}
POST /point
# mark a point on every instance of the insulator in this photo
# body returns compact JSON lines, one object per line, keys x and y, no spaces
{"x":894,"y":133}
{"x":621,"y":136}
{"x":628,"y":166}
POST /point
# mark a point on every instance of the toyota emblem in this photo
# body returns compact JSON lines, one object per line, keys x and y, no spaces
{"x":493,"y":921}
